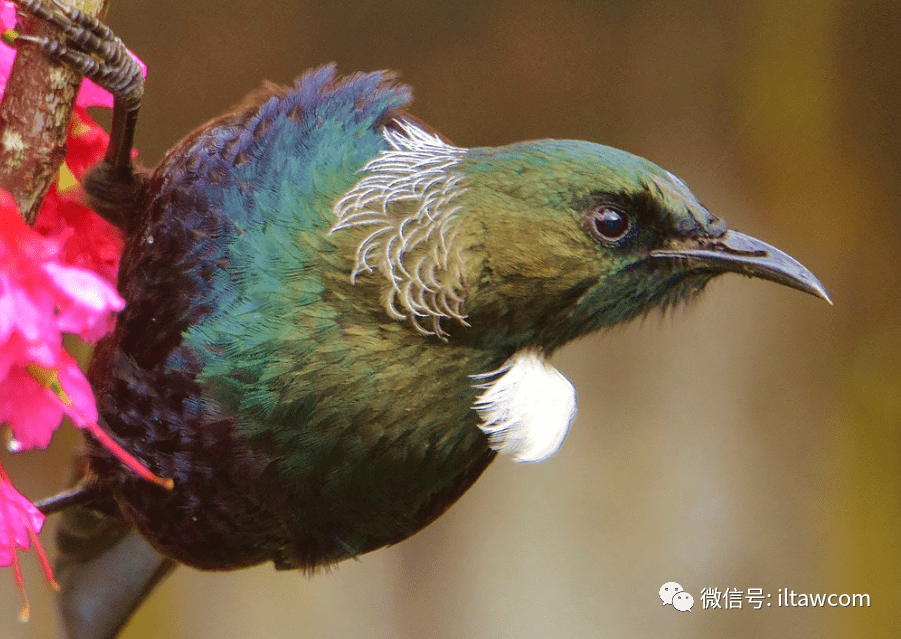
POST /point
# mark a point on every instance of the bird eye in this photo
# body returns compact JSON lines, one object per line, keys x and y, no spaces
{"x":608,"y":225}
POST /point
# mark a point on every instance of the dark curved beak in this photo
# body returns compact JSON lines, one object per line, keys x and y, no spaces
{"x":739,"y":253}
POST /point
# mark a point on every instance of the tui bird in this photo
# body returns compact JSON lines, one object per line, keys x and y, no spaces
{"x":336,"y":319}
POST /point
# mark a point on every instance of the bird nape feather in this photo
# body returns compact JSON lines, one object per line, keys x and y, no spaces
{"x":335,"y":319}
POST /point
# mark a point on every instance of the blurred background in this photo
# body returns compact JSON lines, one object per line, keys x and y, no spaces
{"x":750,"y":441}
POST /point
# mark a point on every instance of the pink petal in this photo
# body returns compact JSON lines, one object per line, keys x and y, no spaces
{"x":31,"y":411}
{"x":6,"y":310}
{"x":86,"y":143}
{"x":20,"y":523}
{"x":91,"y":242}
{"x":90,"y":95}
{"x":20,"y":515}
{"x":7,"y":54}
{"x":85,"y":298}
{"x":81,"y":407}
{"x":33,"y":315}
{"x":7,"y":15}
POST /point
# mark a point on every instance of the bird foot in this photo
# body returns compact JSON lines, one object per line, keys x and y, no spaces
{"x":89,"y":47}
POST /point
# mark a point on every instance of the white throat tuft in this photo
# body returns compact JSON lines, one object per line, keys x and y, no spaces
{"x":527,"y":408}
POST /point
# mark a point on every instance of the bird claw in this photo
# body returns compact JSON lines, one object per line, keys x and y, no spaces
{"x":90,"y":48}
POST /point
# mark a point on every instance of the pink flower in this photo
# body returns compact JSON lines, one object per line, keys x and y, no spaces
{"x":29,"y":520}
{"x":20,"y":522}
{"x":42,"y":299}
{"x":88,"y":241}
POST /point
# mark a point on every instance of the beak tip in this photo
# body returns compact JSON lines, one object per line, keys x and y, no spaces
{"x":810,"y":284}
{"x":824,"y":295}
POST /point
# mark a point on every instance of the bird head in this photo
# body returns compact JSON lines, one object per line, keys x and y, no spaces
{"x":536,"y":243}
